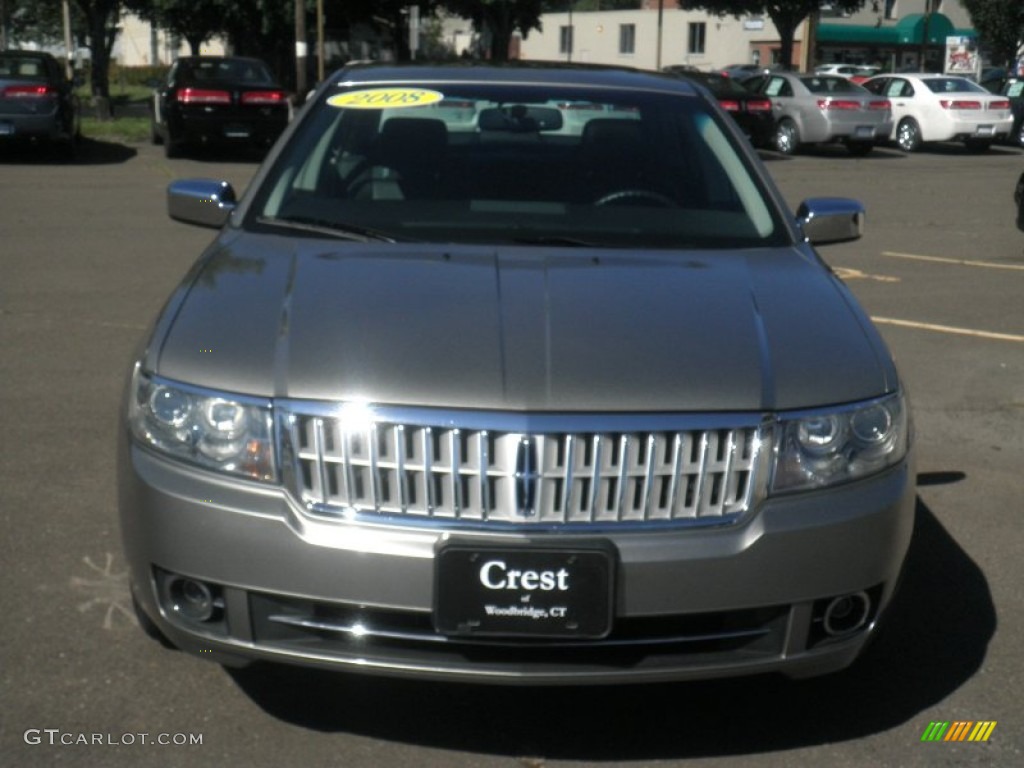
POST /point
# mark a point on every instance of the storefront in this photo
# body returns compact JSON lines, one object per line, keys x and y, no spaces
{"x":896,"y":47}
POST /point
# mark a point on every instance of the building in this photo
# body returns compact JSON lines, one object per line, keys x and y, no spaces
{"x":140,"y":44}
{"x":636,"y":38}
{"x":891,"y":33}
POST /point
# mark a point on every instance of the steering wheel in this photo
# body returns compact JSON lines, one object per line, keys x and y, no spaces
{"x":613,"y":198}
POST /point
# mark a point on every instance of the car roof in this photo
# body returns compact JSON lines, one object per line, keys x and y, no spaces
{"x":26,"y":54}
{"x":194,"y":59}
{"x":541,"y":73}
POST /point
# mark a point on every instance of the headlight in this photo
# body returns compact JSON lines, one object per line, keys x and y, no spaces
{"x":827,"y":448}
{"x":228,"y":433}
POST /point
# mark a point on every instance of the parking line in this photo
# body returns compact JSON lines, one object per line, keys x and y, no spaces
{"x":949,"y":329}
{"x":847,"y":273}
{"x":959,"y":262}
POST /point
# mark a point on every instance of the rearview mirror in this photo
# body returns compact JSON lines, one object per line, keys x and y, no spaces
{"x":519,"y":118}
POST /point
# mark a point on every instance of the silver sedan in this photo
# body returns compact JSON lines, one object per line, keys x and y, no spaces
{"x":817,"y":109}
{"x":499,"y":402}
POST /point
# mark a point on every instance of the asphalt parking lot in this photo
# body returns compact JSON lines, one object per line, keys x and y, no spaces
{"x":88,"y":255}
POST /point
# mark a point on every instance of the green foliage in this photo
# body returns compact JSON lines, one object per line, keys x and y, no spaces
{"x":496,"y":20}
{"x":196,"y":22}
{"x":1000,"y":26}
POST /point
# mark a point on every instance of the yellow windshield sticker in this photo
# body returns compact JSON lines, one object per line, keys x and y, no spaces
{"x":386,"y":98}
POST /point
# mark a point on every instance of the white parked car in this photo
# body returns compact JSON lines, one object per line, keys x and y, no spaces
{"x":845,"y":70}
{"x":929,"y":107}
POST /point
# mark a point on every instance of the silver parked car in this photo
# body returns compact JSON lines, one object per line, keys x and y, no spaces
{"x":492,"y":401}
{"x":818,"y":109}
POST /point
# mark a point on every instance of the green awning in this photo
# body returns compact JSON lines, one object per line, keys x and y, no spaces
{"x":907,"y":31}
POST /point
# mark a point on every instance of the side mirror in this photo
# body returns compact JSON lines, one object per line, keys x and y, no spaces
{"x":205,"y":202}
{"x":830,"y":219}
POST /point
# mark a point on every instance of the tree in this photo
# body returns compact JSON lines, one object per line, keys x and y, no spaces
{"x":1000,"y":25}
{"x":30,"y":21}
{"x":496,"y":20}
{"x":196,"y":22}
{"x":786,"y":15}
{"x":101,"y":17}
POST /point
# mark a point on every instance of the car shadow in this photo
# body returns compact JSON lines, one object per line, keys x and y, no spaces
{"x":917,"y":661}
{"x":880,"y":152}
{"x":224,"y":153}
{"x":89,"y":152}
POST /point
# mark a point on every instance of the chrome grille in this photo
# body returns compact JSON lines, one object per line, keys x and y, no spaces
{"x":418,"y":472}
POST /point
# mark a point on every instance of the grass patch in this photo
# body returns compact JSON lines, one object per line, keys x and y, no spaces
{"x":128,"y":130}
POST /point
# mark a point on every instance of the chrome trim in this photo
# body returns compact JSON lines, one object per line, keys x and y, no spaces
{"x":569,"y":472}
{"x":358,"y":630}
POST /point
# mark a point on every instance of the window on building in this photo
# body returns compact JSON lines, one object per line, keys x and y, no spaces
{"x":890,"y":9}
{"x":627,"y":38}
{"x":698,"y":31}
{"x":565,"y":39}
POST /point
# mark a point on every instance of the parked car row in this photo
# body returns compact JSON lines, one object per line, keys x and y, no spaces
{"x":909,"y":109}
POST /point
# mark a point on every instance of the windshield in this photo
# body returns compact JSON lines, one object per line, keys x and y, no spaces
{"x":952,"y":85}
{"x":510,"y":163}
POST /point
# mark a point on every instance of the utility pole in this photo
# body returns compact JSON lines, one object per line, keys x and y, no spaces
{"x":301,"y":50}
{"x":657,"y":55}
{"x":924,"y":33}
{"x":69,"y":61}
{"x":320,"y":40}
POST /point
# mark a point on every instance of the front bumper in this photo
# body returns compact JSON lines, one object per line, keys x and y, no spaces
{"x":688,"y":604}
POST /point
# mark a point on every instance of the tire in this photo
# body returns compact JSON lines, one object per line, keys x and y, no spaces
{"x":154,"y":133}
{"x":787,"y":137}
{"x":172,"y":148}
{"x":860,"y":148}
{"x":908,"y":135}
{"x":150,"y":629}
{"x":1017,"y":138}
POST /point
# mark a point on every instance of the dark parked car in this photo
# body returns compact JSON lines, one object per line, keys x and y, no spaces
{"x":752,"y":111}
{"x":218,"y":100}
{"x":1018,"y":198}
{"x":492,"y":401}
{"x":1013,"y":89}
{"x":38,"y":105}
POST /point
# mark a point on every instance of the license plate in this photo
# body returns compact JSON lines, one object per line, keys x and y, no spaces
{"x":6,"y":129}
{"x":563,"y":592}
{"x":985,"y":130}
{"x":237,"y":131}
{"x":864,"y":132}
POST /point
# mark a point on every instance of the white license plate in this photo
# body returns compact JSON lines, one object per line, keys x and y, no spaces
{"x":864,"y":132}
{"x":6,"y":129}
{"x":985,"y":130}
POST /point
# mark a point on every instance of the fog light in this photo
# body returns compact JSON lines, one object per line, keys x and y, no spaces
{"x":847,"y":614}
{"x":192,"y":599}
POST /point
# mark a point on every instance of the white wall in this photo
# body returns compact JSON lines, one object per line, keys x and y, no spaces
{"x":727,"y":40}
{"x":134,"y":45}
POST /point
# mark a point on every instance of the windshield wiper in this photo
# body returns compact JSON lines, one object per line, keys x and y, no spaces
{"x":321,"y":227}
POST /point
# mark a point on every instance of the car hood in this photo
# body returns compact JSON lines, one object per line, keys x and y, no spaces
{"x":520,"y":328}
